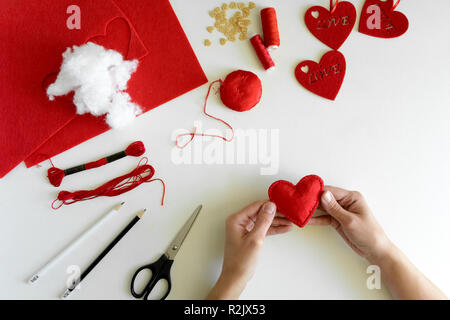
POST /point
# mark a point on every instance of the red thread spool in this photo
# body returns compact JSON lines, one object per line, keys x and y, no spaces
{"x":270,"y":28}
{"x":262,"y":53}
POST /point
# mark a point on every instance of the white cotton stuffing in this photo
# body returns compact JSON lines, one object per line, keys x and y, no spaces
{"x":98,"y":77}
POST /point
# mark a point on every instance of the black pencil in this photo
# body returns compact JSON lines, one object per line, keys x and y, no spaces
{"x":75,"y":283}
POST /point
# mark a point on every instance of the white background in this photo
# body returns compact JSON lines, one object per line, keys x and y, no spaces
{"x":387,"y":135}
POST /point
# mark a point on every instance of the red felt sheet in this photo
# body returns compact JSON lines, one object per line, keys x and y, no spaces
{"x":34,"y":34}
{"x":169,"y":70}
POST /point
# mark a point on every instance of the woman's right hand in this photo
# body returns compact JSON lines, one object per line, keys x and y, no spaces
{"x":348,"y":212}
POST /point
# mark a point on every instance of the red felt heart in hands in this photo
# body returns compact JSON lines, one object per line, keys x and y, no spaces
{"x":297,"y":202}
{"x":331,"y":27}
{"x":378,"y":19}
{"x":323,"y":78}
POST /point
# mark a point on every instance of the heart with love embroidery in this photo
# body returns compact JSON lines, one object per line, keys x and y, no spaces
{"x":297,"y":202}
{"x":378,"y":19}
{"x":324,"y":78}
{"x":333,"y":26}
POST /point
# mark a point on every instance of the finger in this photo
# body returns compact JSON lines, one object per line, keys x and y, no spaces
{"x":338,"y":193}
{"x":279,"y":229}
{"x":352,"y":201}
{"x":279,"y":214}
{"x":355,"y":203}
{"x":277,"y":221}
{"x":264,"y":220}
{"x":333,"y":208}
{"x":324,"y":220}
{"x":251,"y":210}
{"x":250,"y":225}
{"x":245,"y":215}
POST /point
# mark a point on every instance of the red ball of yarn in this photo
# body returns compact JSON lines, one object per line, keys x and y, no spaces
{"x":241,"y":90}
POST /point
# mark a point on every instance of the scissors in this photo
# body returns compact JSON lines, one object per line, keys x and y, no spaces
{"x":161,"y":268}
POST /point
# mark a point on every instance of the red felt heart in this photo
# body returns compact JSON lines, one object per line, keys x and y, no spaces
{"x":117,"y":36}
{"x":378,"y":19}
{"x":323,"y":78}
{"x":332,"y":27}
{"x":298,"y":202}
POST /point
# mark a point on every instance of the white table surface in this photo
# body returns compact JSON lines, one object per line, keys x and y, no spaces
{"x":387,"y":135}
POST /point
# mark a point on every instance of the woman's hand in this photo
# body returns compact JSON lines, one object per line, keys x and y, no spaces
{"x":348,"y":212}
{"x":245,"y":234}
{"x":350,"y":215}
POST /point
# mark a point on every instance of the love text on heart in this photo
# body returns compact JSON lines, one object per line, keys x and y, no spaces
{"x":333,"y":22}
{"x":324,"y":73}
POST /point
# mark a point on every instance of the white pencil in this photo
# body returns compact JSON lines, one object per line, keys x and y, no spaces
{"x":71,"y":246}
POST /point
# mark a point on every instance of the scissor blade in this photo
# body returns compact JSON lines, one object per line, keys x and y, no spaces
{"x":178,"y":241}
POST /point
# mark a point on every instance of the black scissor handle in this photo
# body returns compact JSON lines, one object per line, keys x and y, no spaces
{"x":142,"y":293}
{"x":160,"y":270}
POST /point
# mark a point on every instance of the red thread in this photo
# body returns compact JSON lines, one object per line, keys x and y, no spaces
{"x":55,"y":175}
{"x":270,"y":28}
{"x":262,"y":53}
{"x":136,"y":149}
{"x":141,"y":174}
{"x":164,"y":189}
{"x":194,"y":133}
{"x":333,"y":8}
{"x":395,"y":5}
{"x":95,"y":164}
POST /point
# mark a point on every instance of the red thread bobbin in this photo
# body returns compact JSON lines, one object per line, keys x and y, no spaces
{"x":262,"y":53}
{"x":270,"y":28}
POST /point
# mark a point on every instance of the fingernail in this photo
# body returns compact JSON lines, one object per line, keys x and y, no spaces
{"x":328,"y":196}
{"x":269,"y":207}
